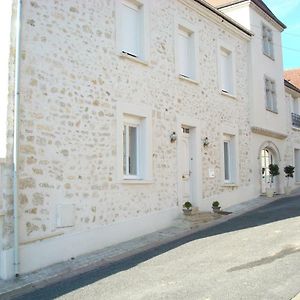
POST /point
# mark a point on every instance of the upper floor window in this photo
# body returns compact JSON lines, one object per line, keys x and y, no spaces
{"x":186,"y":52}
{"x":271,"y":102}
{"x":131,"y":28}
{"x":226,"y":71}
{"x":267,"y":37}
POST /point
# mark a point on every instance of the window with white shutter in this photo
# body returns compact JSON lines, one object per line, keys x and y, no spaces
{"x":267,"y":40}
{"x":186,"y":53}
{"x":226,"y":71}
{"x":270,"y":91}
{"x":132,"y":28}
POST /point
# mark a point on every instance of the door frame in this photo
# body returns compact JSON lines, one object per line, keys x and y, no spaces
{"x":269,"y":145}
{"x":196,"y":153}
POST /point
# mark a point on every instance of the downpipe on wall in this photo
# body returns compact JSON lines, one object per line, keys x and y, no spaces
{"x":16,"y":138}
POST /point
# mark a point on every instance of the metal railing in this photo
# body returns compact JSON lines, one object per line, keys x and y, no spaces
{"x":296,"y":120}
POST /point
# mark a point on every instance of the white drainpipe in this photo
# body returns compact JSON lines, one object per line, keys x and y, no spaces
{"x":16,"y":138}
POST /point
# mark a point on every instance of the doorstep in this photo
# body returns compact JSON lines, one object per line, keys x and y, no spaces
{"x":182,"y":226}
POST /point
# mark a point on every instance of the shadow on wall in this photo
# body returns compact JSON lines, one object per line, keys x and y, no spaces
{"x":275,"y":211}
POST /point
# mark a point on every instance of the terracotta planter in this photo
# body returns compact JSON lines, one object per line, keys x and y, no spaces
{"x":187,"y":212}
{"x":216,"y":209}
{"x":287,"y":190}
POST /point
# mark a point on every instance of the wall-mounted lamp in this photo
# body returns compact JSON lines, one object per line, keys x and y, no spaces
{"x":173,"y":137}
{"x":205,"y":142}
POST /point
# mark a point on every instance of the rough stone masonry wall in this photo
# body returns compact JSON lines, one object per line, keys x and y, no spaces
{"x":72,"y":79}
{"x":6,"y":166}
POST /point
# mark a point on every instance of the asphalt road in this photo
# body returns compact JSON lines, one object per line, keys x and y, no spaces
{"x":253,"y":256}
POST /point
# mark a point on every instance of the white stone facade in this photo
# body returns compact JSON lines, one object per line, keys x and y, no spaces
{"x":76,"y":88}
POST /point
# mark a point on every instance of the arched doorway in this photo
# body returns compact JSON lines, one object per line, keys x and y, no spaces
{"x":268,"y":155}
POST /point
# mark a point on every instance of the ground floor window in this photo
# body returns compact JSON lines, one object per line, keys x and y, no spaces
{"x":229,"y":155}
{"x":131,"y":147}
{"x":134,"y":142}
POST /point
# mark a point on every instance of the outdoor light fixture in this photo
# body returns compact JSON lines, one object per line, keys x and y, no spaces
{"x":173,"y":137}
{"x":205,"y":142}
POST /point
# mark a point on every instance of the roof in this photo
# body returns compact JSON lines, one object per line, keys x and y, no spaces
{"x":225,"y":3}
{"x":291,"y":86}
{"x":214,"y":10}
{"x":293,"y":77}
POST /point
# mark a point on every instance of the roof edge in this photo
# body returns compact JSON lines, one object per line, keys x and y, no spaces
{"x":291,"y":86}
{"x":261,"y":5}
{"x":224,"y":16}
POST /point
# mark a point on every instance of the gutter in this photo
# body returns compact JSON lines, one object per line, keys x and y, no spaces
{"x":16,"y":138}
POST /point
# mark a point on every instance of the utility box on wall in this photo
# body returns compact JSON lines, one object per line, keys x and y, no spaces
{"x":65,"y":215}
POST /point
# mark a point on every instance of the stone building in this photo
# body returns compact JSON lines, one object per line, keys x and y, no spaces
{"x":120,"y":111}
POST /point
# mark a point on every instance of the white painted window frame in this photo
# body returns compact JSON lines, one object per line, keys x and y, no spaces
{"x":143,"y":56}
{"x":230,"y":135}
{"x":223,"y":46}
{"x":182,"y":25}
{"x":272,"y":82}
{"x":127,"y":113}
{"x":267,"y":37}
{"x":130,"y":121}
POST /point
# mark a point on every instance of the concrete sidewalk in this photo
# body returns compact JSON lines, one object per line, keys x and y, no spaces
{"x":182,"y":226}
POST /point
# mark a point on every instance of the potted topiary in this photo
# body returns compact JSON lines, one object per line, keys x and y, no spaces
{"x":274,"y":171}
{"x":216,"y":206}
{"x":289,"y":173}
{"x":187,"y":208}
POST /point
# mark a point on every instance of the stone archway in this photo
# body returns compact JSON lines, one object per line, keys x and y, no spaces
{"x":268,"y":154}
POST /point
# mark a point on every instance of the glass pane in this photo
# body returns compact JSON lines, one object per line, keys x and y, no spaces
{"x":132,"y":150}
{"x":124,"y":150}
{"x":226,"y":160}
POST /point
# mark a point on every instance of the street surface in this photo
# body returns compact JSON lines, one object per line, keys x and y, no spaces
{"x":254,"y":256}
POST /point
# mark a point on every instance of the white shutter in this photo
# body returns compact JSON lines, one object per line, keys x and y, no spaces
{"x":184,"y":53}
{"x":130,"y":29}
{"x":295,"y":106}
{"x":226,"y":72}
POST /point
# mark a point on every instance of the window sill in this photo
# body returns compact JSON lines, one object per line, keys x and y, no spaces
{"x":269,"y":56}
{"x":293,"y":127}
{"x":232,"y":96}
{"x":135,"y":181}
{"x":134,"y":59}
{"x":230,"y":184}
{"x":188,"y":79}
{"x":272,"y":111}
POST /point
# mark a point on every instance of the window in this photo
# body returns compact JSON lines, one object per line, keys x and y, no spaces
{"x":226,"y":71}
{"x":131,"y":147}
{"x":186,"y":53}
{"x":131,"y":28}
{"x":229,"y":159}
{"x":271,"y":102}
{"x":267,"y":41}
{"x":295,"y":105}
{"x":134,"y":143}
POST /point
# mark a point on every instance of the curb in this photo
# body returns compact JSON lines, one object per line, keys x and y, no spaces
{"x":102,"y":263}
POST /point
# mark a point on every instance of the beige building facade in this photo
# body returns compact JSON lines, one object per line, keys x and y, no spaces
{"x":127,"y":109}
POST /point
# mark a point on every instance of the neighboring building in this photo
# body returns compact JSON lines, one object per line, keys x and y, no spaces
{"x":127,"y":110}
{"x":293,"y":76}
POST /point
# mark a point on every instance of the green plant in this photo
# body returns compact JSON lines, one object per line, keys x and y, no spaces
{"x":274,"y":171}
{"x":289,"y":172}
{"x":216,"y":204}
{"x":187,"y":205}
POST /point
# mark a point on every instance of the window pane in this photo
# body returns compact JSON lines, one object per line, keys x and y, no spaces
{"x":132,"y":150}
{"x":124,"y":150}
{"x":226,"y":161}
